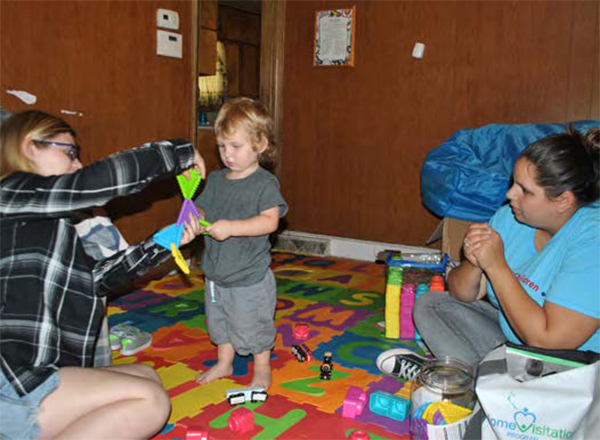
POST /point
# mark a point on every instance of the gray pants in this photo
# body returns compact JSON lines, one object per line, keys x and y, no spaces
{"x":449,"y":327}
{"x":242,"y":316}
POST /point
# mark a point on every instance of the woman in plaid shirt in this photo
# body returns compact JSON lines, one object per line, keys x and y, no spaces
{"x":50,"y":310}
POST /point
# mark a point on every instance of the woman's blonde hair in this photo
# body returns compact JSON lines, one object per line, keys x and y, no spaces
{"x":25,"y":126}
{"x":253,"y":117}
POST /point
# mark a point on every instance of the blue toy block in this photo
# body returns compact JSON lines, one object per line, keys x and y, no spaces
{"x":389,"y":405}
{"x":170,"y":234}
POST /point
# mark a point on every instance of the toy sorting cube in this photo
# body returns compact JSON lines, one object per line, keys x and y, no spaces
{"x":301,"y":332}
{"x":241,"y":421}
{"x":354,"y":402}
{"x":388,"y":405}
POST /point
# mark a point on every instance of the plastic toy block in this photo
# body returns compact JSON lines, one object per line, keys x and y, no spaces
{"x":241,"y":421}
{"x":437,"y":284}
{"x":392,"y":307}
{"x":301,"y":332}
{"x":189,"y":186}
{"x":392,"y":302}
{"x":388,"y":405}
{"x":354,"y":402}
{"x":408,"y":288}
{"x":359,"y":435}
{"x":170,"y":234}
{"x":195,"y":433}
{"x":421,"y":289}
{"x":187,"y":208}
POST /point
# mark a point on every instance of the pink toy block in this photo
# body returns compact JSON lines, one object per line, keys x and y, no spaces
{"x":301,"y":332}
{"x":408,"y":288}
{"x":354,"y":402}
{"x":196,"y":433}
{"x":359,"y":435}
{"x":241,"y":421}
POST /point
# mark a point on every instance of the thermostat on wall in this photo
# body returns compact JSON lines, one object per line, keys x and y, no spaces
{"x":169,"y":44}
{"x":167,"y":19}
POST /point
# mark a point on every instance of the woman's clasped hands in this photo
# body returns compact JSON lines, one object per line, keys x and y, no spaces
{"x":483,"y":246}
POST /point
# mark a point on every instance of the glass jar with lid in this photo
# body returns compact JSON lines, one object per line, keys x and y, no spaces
{"x":442,"y":399}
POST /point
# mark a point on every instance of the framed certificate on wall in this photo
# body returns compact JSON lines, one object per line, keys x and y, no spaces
{"x":334,"y":37}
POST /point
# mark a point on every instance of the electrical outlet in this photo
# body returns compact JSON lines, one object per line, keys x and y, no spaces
{"x":169,"y":44}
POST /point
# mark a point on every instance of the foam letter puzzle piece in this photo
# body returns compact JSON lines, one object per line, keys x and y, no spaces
{"x":189,"y":186}
{"x":272,"y":427}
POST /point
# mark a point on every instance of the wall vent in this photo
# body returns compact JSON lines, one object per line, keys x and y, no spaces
{"x":303,"y":245}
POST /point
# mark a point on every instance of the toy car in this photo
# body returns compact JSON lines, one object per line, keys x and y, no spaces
{"x":302,"y":352}
{"x":326,"y":367}
{"x":243,"y":395}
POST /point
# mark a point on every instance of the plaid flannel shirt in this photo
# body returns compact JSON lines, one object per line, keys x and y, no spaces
{"x":50,"y":311}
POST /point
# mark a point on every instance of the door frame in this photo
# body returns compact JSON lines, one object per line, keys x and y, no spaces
{"x":272,"y":46}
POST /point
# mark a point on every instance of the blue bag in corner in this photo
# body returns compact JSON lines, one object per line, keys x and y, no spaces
{"x":468,"y":175}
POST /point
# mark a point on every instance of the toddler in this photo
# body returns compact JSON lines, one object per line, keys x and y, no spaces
{"x":243,"y":204}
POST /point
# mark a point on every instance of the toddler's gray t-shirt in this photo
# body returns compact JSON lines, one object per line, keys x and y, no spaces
{"x":238,"y":261}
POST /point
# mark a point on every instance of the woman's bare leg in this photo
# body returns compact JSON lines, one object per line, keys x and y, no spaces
{"x":105,"y":403}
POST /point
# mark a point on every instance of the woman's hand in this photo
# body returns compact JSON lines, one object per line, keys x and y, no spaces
{"x":483,"y":246}
{"x":198,"y":165}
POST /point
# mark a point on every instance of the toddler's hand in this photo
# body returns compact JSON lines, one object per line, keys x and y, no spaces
{"x":220,"y":230}
{"x":191,"y":230}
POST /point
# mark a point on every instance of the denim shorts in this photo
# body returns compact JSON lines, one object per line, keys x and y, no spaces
{"x":18,"y":415}
{"x":242,"y":316}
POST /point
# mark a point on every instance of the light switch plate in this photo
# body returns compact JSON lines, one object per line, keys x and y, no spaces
{"x":167,"y":19}
{"x":169,"y":44}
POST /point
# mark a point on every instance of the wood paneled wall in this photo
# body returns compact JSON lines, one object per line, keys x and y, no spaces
{"x":354,"y":139}
{"x":98,"y":59}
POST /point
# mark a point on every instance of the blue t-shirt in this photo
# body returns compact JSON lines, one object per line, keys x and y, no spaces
{"x":566,"y":272}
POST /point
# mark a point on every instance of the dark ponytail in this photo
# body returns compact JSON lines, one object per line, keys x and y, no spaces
{"x":568,"y":162}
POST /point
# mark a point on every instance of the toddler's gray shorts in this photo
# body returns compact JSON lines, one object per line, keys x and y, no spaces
{"x":242,"y":316}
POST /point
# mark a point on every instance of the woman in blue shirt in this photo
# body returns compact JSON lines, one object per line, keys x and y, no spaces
{"x":537,"y":260}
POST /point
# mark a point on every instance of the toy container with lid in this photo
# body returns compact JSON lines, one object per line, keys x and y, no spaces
{"x":442,"y":400}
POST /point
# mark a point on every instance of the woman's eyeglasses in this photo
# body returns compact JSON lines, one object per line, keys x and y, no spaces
{"x":72,"y":150}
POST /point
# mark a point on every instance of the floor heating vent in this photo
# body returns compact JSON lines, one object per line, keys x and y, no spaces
{"x":303,"y":245}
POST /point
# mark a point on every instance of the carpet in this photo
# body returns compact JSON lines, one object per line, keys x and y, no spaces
{"x":341,"y":300}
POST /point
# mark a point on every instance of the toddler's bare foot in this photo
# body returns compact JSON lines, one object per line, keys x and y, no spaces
{"x":262,"y":376}
{"x":215,"y":372}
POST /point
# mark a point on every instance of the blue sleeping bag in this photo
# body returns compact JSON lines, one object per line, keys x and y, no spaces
{"x":468,"y":175}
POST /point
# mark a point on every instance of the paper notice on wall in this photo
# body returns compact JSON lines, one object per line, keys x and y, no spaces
{"x":24,"y":96}
{"x":334,"y":37}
